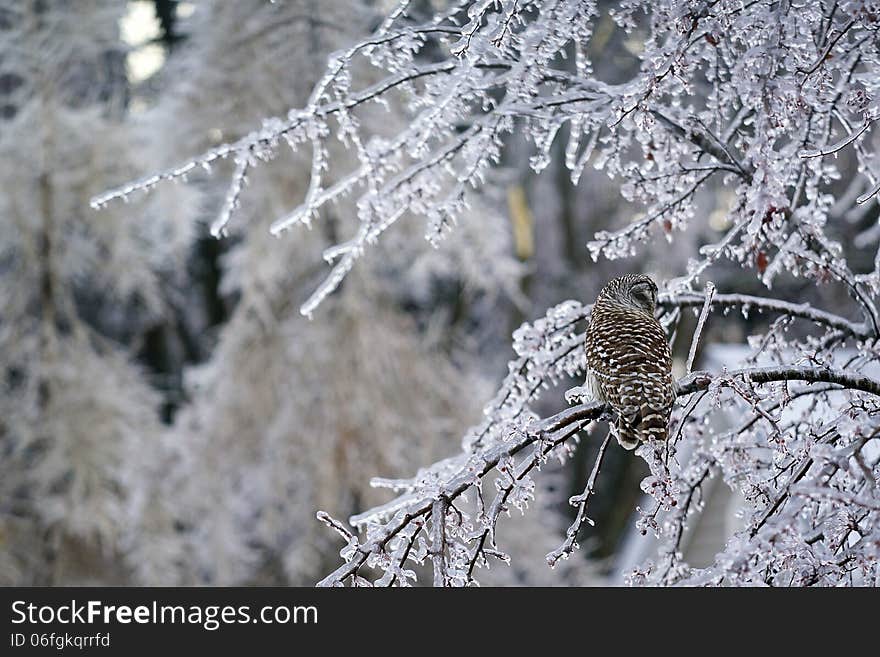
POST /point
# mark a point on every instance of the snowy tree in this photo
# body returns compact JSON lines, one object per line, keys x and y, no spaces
{"x":78,"y":420}
{"x":773,"y":102}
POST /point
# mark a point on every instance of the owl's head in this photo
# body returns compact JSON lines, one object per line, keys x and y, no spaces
{"x":633,"y":290}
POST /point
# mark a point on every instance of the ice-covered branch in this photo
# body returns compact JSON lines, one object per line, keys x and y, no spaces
{"x":708,"y":295}
{"x":748,"y":302}
{"x":758,"y":375}
{"x":479,"y":71}
{"x":581,"y":501}
{"x":554,"y":430}
{"x":470,"y":468}
{"x":708,"y":143}
{"x":839,"y":145}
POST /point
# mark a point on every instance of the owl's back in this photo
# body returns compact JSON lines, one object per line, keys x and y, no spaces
{"x":630,"y":368}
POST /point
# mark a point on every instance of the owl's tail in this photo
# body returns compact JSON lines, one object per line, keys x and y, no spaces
{"x":648,"y":423}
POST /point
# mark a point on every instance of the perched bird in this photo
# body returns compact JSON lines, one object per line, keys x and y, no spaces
{"x":628,"y":359}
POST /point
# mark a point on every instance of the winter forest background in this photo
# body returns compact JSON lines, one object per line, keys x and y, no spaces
{"x":192,"y":394}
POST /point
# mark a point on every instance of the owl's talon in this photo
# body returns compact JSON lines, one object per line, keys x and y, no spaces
{"x":608,"y":415}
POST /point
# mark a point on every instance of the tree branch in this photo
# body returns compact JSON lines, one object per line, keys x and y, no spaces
{"x":801,"y":310}
{"x":706,"y":142}
{"x":558,"y":428}
{"x":582,"y":500}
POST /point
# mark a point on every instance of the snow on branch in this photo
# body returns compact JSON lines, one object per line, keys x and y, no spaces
{"x":581,"y":501}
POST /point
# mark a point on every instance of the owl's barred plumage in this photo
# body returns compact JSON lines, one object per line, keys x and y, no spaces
{"x":629,"y":361}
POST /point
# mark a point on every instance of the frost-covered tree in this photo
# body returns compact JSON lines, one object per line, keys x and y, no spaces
{"x":78,"y":420}
{"x":771,"y":102}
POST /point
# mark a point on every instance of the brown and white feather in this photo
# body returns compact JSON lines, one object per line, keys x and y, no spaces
{"x":629,"y":360}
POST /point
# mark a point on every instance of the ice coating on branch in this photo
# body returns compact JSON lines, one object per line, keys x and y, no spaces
{"x":759,"y":141}
{"x":551,"y":347}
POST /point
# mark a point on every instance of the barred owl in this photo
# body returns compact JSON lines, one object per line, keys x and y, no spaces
{"x":628,"y":359}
